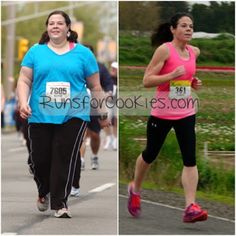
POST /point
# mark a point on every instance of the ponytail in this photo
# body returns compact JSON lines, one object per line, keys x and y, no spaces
{"x":161,"y":35}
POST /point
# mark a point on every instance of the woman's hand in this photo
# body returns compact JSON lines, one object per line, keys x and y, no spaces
{"x":178,"y":71}
{"x":25,"y":111}
{"x":196,"y":83}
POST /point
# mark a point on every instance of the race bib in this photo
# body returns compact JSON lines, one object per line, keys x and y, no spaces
{"x":180,"y":89}
{"x":58,"y":91}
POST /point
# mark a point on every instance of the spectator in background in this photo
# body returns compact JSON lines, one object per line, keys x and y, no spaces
{"x":3,"y":100}
{"x":94,"y":127}
{"x":111,"y":132}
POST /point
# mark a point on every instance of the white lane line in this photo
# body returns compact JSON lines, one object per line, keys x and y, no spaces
{"x":9,"y":233}
{"x":177,"y":208}
{"x":102,"y":188}
{"x":17,"y":149}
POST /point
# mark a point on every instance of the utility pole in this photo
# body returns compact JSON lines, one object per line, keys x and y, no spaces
{"x":71,"y":11}
{"x":8,"y":65}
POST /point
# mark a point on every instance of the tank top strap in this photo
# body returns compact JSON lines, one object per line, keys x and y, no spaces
{"x":170,"y":46}
{"x":174,"y":53}
{"x":190,"y":49}
{"x":172,"y":50}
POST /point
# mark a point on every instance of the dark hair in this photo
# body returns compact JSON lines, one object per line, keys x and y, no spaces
{"x":163,"y":34}
{"x":73,"y":35}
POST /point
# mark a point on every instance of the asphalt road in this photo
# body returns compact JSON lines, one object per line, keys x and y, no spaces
{"x":161,"y":219}
{"x":94,"y":212}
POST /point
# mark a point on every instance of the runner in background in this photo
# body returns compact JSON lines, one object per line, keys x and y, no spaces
{"x":111,"y":132}
{"x":94,"y":128}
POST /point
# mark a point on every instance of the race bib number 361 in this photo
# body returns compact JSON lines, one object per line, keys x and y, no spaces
{"x":180,"y":89}
{"x":58,"y":91}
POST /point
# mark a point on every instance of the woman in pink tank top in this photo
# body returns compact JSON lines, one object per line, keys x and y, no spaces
{"x":171,"y":70}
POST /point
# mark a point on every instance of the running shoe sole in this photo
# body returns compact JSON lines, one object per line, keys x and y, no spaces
{"x":201,"y":217}
{"x":64,"y":214}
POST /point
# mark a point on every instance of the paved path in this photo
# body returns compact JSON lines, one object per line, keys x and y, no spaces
{"x":94,"y":212}
{"x":161,"y":219}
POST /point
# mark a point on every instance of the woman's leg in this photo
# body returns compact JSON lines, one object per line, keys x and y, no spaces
{"x":66,"y":146}
{"x":141,"y":168}
{"x":40,"y":140}
{"x":157,"y":129}
{"x":189,"y":181}
{"x":185,"y":132}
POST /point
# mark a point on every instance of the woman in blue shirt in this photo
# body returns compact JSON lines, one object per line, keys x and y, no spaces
{"x":55,"y":74}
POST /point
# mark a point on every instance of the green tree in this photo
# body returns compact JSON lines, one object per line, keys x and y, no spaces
{"x":218,"y":17}
{"x":141,"y":16}
{"x":90,"y":13}
{"x":170,"y":8}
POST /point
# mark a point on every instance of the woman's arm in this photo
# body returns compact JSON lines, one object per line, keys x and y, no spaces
{"x":196,"y":83}
{"x":196,"y":51}
{"x":151,"y":77}
{"x":23,"y":90}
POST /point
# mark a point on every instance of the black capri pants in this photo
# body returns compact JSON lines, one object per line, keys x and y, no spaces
{"x":157,"y":130}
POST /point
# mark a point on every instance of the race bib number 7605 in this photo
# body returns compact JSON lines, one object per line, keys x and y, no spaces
{"x":58,"y":91}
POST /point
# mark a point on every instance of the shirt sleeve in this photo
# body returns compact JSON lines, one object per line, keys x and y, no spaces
{"x":91,"y":64}
{"x":28,"y":59}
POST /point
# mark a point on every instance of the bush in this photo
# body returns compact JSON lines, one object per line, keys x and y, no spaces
{"x":137,"y":50}
{"x":215,"y":180}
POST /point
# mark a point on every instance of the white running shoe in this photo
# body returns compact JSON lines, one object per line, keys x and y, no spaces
{"x":82,"y":167}
{"x":63,"y":213}
{"x":87,"y":142}
{"x":94,"y":163}
{"x":75,"y":192}
{"x":114,"y":144}
{"x":107,"y":142}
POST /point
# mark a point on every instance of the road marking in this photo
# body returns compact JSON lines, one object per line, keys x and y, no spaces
{"x":9,"y":233}
{"x":17,"y":149}
{"x":177,"y":208}
{"x":101,"y":188}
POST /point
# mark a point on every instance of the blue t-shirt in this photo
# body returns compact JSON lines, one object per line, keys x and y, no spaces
{"x":59,"y":83}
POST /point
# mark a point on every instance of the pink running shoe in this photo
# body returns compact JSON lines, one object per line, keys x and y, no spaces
{"x":194,"y":213}
{"x":134,"y":205}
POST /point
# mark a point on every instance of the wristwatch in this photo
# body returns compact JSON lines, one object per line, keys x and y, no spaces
{"x":103,"y":116}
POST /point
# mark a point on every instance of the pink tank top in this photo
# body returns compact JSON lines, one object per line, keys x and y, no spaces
{"x":173,"y":99}
{"x":71,"y":45}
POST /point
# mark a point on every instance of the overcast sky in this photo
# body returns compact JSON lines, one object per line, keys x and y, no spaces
{"x":201,"y":2}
